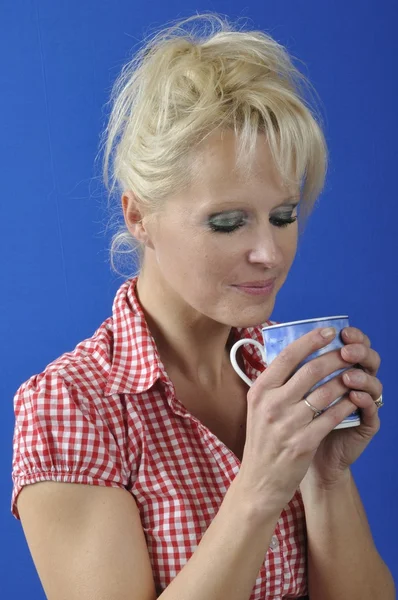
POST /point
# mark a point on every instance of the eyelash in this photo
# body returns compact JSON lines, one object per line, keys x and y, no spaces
{"x":230,"y":229}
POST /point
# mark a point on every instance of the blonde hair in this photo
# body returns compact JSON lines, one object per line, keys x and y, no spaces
{"x":183,"y":85}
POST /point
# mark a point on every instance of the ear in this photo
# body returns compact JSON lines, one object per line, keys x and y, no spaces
{"x":134,"y":217}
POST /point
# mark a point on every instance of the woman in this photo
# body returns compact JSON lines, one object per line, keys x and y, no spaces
{"x":143,"y":465}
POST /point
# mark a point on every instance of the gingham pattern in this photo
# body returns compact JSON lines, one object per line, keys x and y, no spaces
{"x":106,"y":414}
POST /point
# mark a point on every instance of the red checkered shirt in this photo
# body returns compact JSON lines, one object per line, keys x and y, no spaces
{"x":107,"y":414}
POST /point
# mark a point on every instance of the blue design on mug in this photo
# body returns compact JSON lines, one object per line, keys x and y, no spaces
{"x":277,"y":337}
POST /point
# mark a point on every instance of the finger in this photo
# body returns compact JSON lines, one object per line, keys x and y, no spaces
{"x":327,"y":421}
{"x":322,"y":397}
{"x":287,"y":362}
{"x":313,"y":373}
{"x":369,"y":411}
{"x":352,"y":335}
{"x":368,"y":358}
{"x":362,"y":382}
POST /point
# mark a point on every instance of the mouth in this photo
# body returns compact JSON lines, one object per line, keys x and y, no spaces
{"x":257,"y":288}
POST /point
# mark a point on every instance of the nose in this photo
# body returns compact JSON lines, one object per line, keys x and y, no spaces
{"x":266,"y":249}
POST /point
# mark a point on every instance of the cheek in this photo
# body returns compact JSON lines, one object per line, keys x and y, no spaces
{"x":201,"y":263}
{"x":288,"y":244}
{"x":216,"y":257}
{"x":181,"y":252}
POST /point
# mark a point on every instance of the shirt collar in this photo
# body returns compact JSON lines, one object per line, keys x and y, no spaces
{"x":136,"y":364}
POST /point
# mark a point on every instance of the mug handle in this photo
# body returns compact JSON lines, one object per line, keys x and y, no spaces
{"x":235,"y":365}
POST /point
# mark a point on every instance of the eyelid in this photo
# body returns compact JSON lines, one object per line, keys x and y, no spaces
{"x":229,"y":217}
{"x":289,"y":207}
{"x":227,"y":213}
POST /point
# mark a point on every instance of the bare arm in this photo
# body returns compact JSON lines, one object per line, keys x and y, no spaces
{"x":228,"y":559}
{"x":87,"y":543}
{"x":343,"y":561}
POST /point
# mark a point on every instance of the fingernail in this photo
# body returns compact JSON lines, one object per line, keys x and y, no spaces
{"x":328,"y":332}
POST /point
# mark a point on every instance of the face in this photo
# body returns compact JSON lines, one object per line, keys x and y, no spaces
{"x":225,"y":232}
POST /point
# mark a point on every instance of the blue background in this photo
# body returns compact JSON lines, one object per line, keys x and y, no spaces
{"x":59,"y":60}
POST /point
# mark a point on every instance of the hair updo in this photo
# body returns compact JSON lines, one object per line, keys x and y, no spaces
{"x":180,"y":87}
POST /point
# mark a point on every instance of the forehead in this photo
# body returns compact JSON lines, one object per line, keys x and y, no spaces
{"x":216,"y":177}
{"x":214,"y":165}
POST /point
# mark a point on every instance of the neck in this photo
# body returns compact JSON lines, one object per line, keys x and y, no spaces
{"x":187,"y":341}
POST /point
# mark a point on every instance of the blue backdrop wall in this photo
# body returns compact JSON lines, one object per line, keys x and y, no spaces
{"x":59,"y":60}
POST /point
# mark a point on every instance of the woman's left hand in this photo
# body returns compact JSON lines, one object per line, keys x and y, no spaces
{"x":341,"y":447}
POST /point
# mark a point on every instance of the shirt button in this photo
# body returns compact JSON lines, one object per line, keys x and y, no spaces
{"x":274,"y":542}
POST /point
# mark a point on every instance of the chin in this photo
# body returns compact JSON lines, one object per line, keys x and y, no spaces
{"x":253,"y":317}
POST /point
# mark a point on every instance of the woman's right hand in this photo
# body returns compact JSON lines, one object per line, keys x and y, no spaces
{"x":281,"y":434}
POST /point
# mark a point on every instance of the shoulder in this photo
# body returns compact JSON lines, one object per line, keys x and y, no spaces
{"x":69,"y":395}
{"x":83,"y":369}
{"x":66,"y":429}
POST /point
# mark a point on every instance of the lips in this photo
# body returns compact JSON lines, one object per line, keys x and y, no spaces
{"x":257,"y":288}
{"x":257,"y":284}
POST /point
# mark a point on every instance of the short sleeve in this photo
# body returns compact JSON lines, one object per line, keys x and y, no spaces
{"x":60,"y":435}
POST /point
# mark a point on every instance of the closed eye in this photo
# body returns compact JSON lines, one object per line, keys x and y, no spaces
{"x":283,"y":222}
{"x":228,"y":224}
